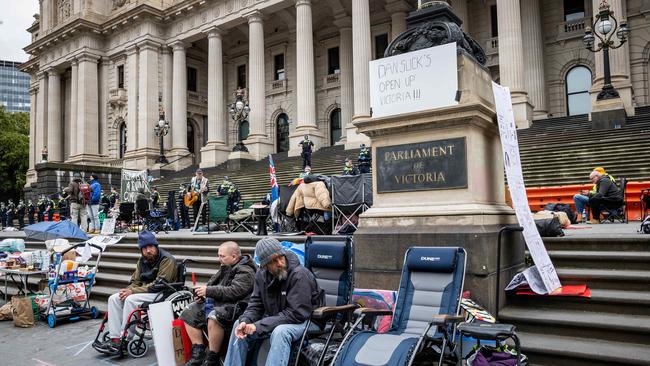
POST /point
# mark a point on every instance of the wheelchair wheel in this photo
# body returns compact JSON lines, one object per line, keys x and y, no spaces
{"x":137,"y":348}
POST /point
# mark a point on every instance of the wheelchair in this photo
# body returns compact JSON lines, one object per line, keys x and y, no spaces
{"x":179,"y":296}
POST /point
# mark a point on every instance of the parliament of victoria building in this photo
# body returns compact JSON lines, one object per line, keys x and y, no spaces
{"x":103,"y":72}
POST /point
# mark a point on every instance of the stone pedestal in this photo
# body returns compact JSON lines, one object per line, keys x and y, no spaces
{"x":258,"y":147}
{"x":450,"y":192}
{"x":296,"y":137}
{"x":607,"y":114}
{"x":214,"y":154}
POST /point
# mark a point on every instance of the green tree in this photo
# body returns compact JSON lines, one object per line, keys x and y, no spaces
{"x":14,"y":153}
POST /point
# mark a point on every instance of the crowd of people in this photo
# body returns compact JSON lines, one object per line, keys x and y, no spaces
{"x":239,"y":303}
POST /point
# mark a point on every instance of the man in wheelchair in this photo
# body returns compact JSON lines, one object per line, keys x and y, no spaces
{"x":284,"y":296}
{"x":154,"y":265}
{"x":221,"y":299}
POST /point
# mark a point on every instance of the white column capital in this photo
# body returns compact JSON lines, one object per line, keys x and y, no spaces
{"x":397,"y":6}
{"x":165,"y":50}
{"x":214,"y":32}
{"x":179,"y":45}
{"x":148,"y":44}
{"x":88,"y":57}
{"x":52,"y":72}
{"x":131,"y":50}
{"x":254,"y":17}
{"x":303,"y":2}
{"x":344,"y":21}
{"x":73,"y":61}
{"x":33,"y":89}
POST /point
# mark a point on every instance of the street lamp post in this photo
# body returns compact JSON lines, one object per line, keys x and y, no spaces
{"x":604,"y":29}
{"x":162,"y":129}
{"x":239,"y":111}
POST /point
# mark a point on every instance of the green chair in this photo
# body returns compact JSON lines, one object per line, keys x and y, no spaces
{"x":218,"y":212}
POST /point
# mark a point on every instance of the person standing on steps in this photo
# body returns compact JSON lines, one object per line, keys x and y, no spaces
{"x":93,"y":205}
{"x":307,"y":146}
{"x":364,"y":160}
{"x":200,"y":185}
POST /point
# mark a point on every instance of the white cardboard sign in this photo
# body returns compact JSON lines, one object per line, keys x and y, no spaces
{"x":161,"y":317}
{"x":414,"y":81}
{"x":512,"y":163}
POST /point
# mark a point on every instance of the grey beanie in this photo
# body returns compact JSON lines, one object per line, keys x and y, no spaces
{"x":266,"y":248}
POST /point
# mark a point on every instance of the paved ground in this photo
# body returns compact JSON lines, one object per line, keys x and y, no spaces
{"x":67,"y":344}
{"x":608,"y":230}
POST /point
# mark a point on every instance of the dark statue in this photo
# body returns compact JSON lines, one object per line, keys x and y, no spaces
{"x":431,"y":26}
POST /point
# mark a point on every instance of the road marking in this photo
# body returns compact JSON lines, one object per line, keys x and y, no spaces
{"x":42,"y":363}
{"x":76,"y":345}
{"x":83,"y":348}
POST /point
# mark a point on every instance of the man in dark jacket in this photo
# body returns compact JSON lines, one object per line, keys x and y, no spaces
{"x":284,"y":296}
{"x":307,"y":147}
{"x":349,"y":168}
{"x":154,"y":264}
{"x":218,"y":299}
{"x":607,"y":195}
{"x":78,"y":211}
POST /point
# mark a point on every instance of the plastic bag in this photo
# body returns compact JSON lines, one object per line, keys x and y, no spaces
{"x":12,"y":245}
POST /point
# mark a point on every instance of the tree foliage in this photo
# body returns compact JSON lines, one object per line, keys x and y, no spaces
{"x":14,"y":153}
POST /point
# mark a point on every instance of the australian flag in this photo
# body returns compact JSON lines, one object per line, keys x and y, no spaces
{"x":275,"y":190}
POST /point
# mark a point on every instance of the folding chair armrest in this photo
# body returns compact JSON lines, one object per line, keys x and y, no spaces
{"x":371,"y":312}
{"x":444,"y":319}
{"x":328,"y":311}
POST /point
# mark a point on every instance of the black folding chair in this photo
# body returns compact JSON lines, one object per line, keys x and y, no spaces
{"x":617,"y":213}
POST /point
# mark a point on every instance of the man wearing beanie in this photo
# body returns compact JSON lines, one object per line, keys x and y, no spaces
{"x":284,"y":295}
{"x":155,"y":263}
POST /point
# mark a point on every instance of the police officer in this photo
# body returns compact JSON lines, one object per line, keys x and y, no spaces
{"x":20,"y":212}
{"x":10,"y":211}
{"x":229,"y":189}
{"x":63,"y":207}
{"x":307,"y":146}
{"x":41,"y":208}
{"x":155,"y":197}
{"x":349,"y":168}
{"x":364,"y":160}
{"x":31,"y":210}
{"x":50,"y":206}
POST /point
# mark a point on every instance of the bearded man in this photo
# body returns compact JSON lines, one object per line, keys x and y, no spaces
{"x":284,"y":295}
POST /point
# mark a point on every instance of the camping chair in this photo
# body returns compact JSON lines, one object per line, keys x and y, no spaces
{"x":243,"y":220}
{"x":142,"y":210}
{"x":617,"y":213}
{"x":426,"y":309}
{"x":331,"y":260}
{"x":287,"y":223}
{"x":218,"y":212}
{"x":313,"y":220}
{"x":126,"y":213}
{"x":349,"y":199}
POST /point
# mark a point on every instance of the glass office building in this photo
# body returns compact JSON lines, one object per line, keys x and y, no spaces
{"x":14,"y":87}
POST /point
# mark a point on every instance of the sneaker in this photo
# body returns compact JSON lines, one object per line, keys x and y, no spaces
{"x":198,"y":355}
{"x":110,"y":347}
{"x":593,"y":222}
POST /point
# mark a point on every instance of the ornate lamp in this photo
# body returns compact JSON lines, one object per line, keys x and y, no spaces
{"x":239,"y":111}
{"x":162,"y":129}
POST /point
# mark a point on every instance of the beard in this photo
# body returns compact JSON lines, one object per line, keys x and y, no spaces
{"x":280,"y":274}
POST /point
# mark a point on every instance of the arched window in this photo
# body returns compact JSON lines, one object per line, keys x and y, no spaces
{"x":243,"y":130}
{"x":122,"y":141}
{"x":578,"y":83}
{"x":335,"y":126}
{"x":190,"y":137}
{"x":282,"y":132}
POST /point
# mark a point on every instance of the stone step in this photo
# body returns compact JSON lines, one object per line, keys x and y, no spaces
{"x":600,"y":259}
{"x":553,"y":350}
{"x":604,"y":243}
{"x":593,"y":325}
{"x":633,"y":280}
{"x":601,"y":300}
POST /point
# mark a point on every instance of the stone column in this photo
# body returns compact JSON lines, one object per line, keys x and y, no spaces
{"x":305,"y":81}
{"x":398,"y":9}
{"x":148,"y":69}
{"x":87,"y":110}
{"x":103,"y":106}
{"x":74,"y":96}
{"x":534,"y":80}
{"x":460,"y":9}
{"x":168,"y":75}
{"x":131,"y":84}
{"x":511,"y":60}
{"x":179,"y":100}
{"x":215,"y":151}
{"x":345,"y":62}
{"x":361,"y":56}
{"x":256,"y":82}
{"x":41,"y":116}
{"x":33,"y":97}
{"x":54,"y":145}
{"x":619,"y":61}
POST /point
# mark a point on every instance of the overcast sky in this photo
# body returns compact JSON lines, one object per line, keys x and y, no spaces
{"x":16,"y":17}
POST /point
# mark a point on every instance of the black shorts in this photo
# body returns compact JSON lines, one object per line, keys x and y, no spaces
{"x":225,"y":315}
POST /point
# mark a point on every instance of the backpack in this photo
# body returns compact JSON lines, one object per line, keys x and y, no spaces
{"x":562,"y":207}
{"x":84,"y":193}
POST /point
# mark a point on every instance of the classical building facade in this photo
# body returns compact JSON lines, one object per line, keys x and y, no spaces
{"x":102,"y":71}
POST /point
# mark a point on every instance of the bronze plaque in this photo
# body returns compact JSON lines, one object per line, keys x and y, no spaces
{"x":440,"y":164}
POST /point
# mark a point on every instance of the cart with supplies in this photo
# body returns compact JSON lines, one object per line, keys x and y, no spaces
{"x":69,"y":288}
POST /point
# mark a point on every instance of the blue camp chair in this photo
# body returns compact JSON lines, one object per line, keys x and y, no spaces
{"x":331,"y":261}
{"x":426,"y":310}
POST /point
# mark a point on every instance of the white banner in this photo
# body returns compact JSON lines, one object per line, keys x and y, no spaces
{"x":132,"y":180}
{"x":414,"y":81}
{"x":512,"y":163}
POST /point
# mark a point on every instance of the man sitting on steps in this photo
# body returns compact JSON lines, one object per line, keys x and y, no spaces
{"x":218,"y":299}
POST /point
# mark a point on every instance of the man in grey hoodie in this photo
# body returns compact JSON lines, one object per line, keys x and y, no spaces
{"x":284,"y":296}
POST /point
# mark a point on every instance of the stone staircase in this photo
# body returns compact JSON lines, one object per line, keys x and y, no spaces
{"x":561,"y":151}
{"x":610,"y":328}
